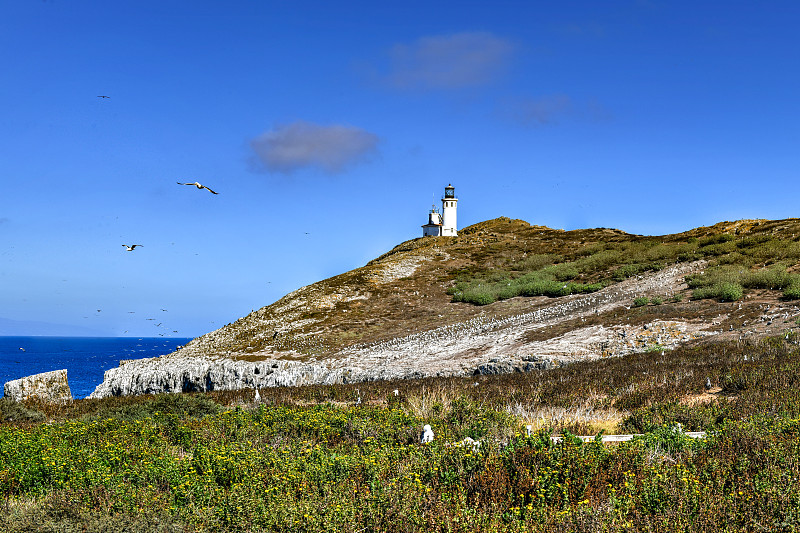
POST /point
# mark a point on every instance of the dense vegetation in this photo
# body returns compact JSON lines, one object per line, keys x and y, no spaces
{"x":347,"y":458}
{"x":735,"y":264}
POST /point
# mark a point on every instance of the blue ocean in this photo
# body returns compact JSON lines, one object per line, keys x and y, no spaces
{"x":85,"y":358}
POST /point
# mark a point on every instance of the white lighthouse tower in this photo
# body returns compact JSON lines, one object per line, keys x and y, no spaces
{"x":449,"y":204}
{"x":443,"y":224}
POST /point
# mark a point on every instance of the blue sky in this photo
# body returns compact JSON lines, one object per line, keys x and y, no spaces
{"x":328,"y":128}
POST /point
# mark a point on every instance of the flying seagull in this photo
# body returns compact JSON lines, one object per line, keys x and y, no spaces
{"x":131,"y":247}
{"x":198,"y":186}
{"x":103,"y":96}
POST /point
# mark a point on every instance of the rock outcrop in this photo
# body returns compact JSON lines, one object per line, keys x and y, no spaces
{"x":200,"y":374}
{"x":48,"y":386}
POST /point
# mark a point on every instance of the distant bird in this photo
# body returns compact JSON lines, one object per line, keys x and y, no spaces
{"x":358,"y":400}
{"x":258,"y":396}
{"x":131,"y":247}
{"x":23,"y":349}
{"x":198,"y":186}
{"x":396,"y":392}
{"x":427,"y":434}
{"x":528,"y":430}
{"x":708,"y":383}
{"x":103,"y":96}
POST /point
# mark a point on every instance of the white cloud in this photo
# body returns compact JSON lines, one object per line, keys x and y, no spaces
{"x":448,"y":61}
{"x":290,"y":147}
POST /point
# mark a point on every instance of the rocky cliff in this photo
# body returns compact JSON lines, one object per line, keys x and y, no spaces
{"x":48,"y":386}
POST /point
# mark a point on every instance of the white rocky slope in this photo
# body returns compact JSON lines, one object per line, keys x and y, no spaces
{"x":481,"y":345}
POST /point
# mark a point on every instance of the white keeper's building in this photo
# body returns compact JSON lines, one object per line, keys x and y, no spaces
{"x":443,"y":224}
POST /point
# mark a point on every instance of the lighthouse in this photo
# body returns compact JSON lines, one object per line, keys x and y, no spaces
{"x":449,"y":203}
{"x":443,"y":224}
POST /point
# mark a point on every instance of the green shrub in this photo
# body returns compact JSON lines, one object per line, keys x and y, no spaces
{"x":479,"y":295}
{"x":769,"y":278}
{"x":543,"y":282}
{"x":722,"y":290}
{"x":716,"y":239}
{"x":560,"y":272}
{"x":640,"y":301}
{"x":655,"y":300}
{"x":730,"y":292}
{"x":600,"y":261}
{"x":716,"y":250}
{"x":792,"y":292}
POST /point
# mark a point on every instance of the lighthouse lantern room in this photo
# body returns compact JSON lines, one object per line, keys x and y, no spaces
{"x":443,"y":224}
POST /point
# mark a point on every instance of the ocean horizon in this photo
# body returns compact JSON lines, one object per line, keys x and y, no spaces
{"x":85,"y":358}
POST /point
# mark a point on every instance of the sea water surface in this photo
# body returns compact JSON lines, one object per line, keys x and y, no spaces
{"x":85,"y":358}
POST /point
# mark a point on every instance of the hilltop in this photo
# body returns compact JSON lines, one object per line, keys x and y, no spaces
{"x":503,"y":296}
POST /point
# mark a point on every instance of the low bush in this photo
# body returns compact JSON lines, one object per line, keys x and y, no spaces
{"x":716,"y":239}
{"x":774,"y":278}
{"x":792,"y":292}
{"x":544,"y":282}
{"x":723,"y":291}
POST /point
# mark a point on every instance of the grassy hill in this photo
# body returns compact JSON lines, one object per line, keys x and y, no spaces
{"x":502,"y":268}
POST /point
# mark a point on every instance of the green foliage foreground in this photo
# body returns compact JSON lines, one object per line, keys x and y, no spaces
{"x":183,"y":463}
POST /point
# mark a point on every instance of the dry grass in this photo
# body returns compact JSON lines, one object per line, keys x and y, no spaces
{"x":584,"y":417}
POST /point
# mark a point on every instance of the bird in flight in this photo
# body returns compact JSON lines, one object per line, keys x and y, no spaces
{"x":131,"y":247}
{"x":198,"y":186}
{"x":103,"y":96}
